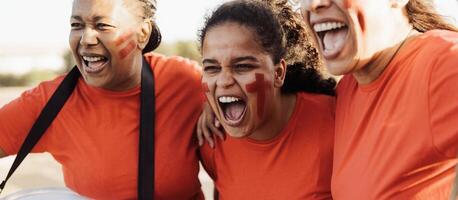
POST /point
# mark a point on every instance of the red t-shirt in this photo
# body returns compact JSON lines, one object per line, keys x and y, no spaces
{"x":95,"y":136}
{"x":296,"y":164}
{"x":397,"y":138}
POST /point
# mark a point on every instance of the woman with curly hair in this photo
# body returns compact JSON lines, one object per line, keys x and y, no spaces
{"x":262,"y":81}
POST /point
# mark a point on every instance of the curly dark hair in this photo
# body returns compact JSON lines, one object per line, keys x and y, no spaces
{"x":282,"y":34}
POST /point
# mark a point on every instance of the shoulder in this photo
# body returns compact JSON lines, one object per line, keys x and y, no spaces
{"x":317,"y":102}
{"x":174,"y":65}
{"x":43,"y":91}
{"x":439,"y":52}
{"x":435,"y":43}
{"x":345,"y":83}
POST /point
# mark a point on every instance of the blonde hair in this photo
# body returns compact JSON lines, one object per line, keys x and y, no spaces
{"x":423,"y":16}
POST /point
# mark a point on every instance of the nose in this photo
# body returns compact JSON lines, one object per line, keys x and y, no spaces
{"x":225,"y":79}
{"x":89,"y":37}
{"x":315,"y":5}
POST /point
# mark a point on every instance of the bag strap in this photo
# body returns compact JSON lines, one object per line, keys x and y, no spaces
{"x":146,"y":140}
{"x":47,"y":115}
{"x":146,"y":136}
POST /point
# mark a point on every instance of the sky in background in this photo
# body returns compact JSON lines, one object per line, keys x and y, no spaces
{"x":45,"y":23}
{"x":33,"y":33}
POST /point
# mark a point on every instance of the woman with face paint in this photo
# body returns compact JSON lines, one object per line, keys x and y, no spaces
{"x":272,"y":102}
{"x":96,"y":134}
{"x":397,"y":104}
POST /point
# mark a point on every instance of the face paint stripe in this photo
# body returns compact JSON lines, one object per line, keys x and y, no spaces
{"x":348,"y":4}
{"x":123,"y":53}
{"x":259,"y":86}
{"x":123,"y":38}
{"x":205,"y":87}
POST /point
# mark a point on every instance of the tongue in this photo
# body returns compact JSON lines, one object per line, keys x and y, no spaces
{"x":334,"y":40}
{"x":235,"y":110}
{"x":95,"y":66}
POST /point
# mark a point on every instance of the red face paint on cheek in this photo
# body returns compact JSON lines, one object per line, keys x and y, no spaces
{"x":205,"y":87}
{"x":127,"y":43}
{"x":348,"y":4}
{"x":259,"y":86}
{"x":354,"y":5}
{"x":123,"y":53}
{"x":361,"y":22}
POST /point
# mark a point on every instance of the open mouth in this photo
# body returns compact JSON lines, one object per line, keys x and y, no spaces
{"x":233,"y":108}
{"x":332,"y":37}
{"x":94,"y":64}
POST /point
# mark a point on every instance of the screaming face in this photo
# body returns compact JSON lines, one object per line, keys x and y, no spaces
{"x":240,"y":78}
{"x":350,"y":33}
{"x":104,"y":43}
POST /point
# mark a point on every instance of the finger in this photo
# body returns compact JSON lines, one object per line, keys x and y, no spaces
{"x":207,"y":134}
{"x":200,"y":139}
{"x":217,"y":132}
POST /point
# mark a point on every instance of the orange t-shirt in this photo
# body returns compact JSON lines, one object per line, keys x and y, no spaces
{"x":397,"y":138}
{"x":95,"y":136}
{"x":296,"y":164}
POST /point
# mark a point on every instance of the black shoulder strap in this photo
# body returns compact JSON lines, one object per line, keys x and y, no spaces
{"x":146,"y":139}
{"x":146,"y":143}
{"x":47,"y":115}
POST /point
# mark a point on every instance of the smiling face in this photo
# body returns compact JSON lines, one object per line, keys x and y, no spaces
{"x":104,"y":40}
{"x":239,"y":78}
{"x":352,"y":33}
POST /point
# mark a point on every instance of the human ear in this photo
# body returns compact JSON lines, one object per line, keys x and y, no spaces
{"x":398,"y":3}
{"x":144,"y":32}
{"x":280,"y":73}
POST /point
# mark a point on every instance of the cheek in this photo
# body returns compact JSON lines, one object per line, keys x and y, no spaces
{"x":349,"y":4}
{"x":205,"y":89}
{"x":125,"y":44}
{"x":357,"y":7}
{"x":259,"y":87}
{"x":74,"y":40}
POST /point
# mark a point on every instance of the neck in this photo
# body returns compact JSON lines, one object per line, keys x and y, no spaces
{"x":378,"y":63}
{"x":278,"y":118}
{"x":131,"y":80}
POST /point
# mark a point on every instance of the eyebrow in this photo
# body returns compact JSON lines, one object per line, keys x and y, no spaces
{"x":236,"y":60}
{"x":244,"y":58}
{"x":95,"y":18}
{"x":209,"y":61}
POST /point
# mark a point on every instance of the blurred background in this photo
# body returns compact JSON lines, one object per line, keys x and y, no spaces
{"x":34,"y":47}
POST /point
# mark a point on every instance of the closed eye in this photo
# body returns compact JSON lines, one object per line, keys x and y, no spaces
{"x":102,"y":26}
{"x":211,"y":69}
{"x":244,"y":67}
{"x":76,"y":25}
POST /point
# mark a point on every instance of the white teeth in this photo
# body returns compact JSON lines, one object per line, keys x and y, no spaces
{"x":327,"y":26}
{"x":93,"y":59}
{"x":225,"y":99}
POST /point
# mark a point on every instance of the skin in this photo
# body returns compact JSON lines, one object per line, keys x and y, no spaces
{"x":368,"y":49}
{"x":231,"y":62}
{"x":205,"y":87}
{"x":112,"y":30}
{"x":109,"y":28}
{"x":260,"y":88}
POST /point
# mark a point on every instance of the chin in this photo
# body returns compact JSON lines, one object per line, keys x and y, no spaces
{"x":236,"y":132}
{"x":340,"y":67}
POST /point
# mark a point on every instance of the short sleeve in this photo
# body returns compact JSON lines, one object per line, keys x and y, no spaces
{"x":443,"y":101}
{"x":18,"y":116}
{"x":207,"y":158}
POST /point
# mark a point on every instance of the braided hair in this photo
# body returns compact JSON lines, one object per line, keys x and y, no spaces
{"x":149,"y":8}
